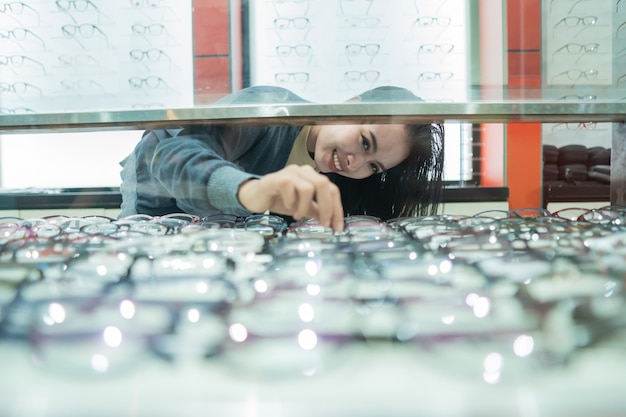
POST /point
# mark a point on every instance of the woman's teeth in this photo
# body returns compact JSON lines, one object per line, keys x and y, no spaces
{"x":336,"y":161}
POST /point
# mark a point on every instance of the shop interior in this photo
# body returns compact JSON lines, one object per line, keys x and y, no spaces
{"x":510,"y":300}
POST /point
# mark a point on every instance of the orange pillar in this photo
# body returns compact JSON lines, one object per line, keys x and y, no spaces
{"x":523,"y":140}
{"x":524,"y":164}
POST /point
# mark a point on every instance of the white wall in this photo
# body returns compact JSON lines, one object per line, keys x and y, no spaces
{"x":76,"y":159}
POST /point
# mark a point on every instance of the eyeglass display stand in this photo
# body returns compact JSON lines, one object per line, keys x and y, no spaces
{"x":581,"y":62}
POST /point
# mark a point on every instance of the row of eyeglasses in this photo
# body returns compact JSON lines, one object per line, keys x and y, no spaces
{"x":94,"y":294}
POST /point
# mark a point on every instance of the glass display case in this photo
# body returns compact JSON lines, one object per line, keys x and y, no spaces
{"x":504,"y":311}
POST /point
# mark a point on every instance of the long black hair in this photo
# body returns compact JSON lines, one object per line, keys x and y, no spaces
{"x":412,"y":188}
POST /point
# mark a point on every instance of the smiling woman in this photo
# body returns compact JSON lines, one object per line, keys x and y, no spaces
{"x":324,"y":171}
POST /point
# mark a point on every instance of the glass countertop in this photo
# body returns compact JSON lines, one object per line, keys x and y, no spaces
{"x":308,"y":113}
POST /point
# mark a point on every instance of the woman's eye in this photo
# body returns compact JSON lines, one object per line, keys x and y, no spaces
{"x":366,"y":143}
{"x":374,"y":169}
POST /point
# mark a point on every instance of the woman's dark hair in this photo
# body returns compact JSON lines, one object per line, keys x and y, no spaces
{"x":412,"y":188}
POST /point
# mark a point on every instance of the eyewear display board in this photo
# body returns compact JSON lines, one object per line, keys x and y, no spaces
{"x":584,"y":61}
{"x":76,"y":55}
{"x":328,"y":50}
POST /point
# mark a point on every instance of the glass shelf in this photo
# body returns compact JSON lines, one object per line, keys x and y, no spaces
{"x":279,"y":114}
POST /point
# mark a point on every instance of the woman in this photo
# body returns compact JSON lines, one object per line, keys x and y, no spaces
{"x":321,"y":171}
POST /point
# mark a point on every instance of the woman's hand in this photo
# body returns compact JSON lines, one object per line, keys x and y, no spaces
{"x":296,"y":191}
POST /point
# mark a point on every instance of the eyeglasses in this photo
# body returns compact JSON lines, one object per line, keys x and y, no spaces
{"x":283,"y":23}
{"x":20,"y":34}
{"x":145,"y":3}
{"x":431,"y":48}
{"x":619,"y":29}
{"x":362,"y":22}
{"x":573,"y":97}
{"x":80,"y":60}
{"x":575,"y":126}
{"x":576,"y":74}
{"x":427,"y":21}
{"x":84,"y":31}
{"x":355,"y":76}
{"x":20,"y":88}
{"x":17,"y":110}
{"x":79,"y":5}
{"x":578,"y":49}
{"x":434,"y":78}
{"x":574,"y":21}
{"x":153,"y":55}
{"x":354,"y":49}
{"x":297,"y":77}
{"x":82,"y":85}
{"x":154,"y":29}
{"x":299,"y":50}
{"x":152,"y":82}
{"x":71,"y":286}
{"x":21,"y":60}
{"x":19,"y":8}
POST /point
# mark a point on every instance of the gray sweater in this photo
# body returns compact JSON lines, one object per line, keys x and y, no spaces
{"x":198,"y":169}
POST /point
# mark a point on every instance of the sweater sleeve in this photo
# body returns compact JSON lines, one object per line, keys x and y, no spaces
{"x":195,"y":168}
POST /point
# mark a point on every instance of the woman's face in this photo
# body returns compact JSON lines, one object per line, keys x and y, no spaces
{"x":358,"y":151}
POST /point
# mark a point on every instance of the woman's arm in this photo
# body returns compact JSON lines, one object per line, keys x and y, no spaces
{"x":195,"y":168}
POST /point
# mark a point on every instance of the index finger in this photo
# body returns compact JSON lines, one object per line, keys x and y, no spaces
{"x":329,"y":206}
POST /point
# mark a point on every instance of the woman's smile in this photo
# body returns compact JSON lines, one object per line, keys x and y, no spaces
{"x":335,"y":161}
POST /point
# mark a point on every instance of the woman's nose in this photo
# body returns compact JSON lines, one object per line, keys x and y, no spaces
{"x":353,"y":161}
